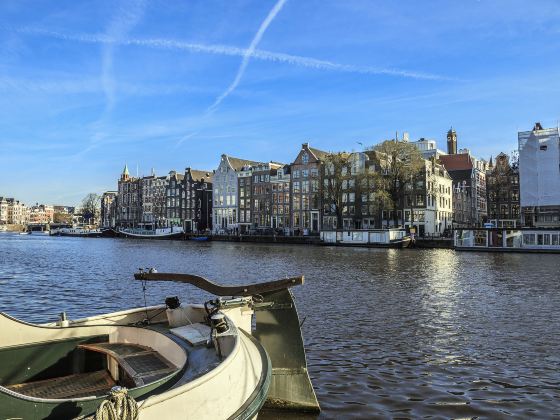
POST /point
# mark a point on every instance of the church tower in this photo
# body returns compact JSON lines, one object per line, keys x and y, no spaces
{"x":125,"y":176}
{"x":451,"y":142}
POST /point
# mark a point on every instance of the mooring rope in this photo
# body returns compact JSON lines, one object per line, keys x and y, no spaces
{"x":117,"y":406}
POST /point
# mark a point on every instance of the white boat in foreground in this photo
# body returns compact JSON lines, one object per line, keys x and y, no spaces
{"x":179,"y":361}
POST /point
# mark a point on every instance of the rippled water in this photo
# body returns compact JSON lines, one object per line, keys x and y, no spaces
{"x":389,"y":333}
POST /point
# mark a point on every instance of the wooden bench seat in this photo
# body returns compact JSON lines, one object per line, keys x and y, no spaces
{"x":143,"y":364}
{"x":72,"y":386}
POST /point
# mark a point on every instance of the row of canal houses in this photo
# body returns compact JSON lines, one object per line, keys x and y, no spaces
{"x":456,"y":190}
{"x":243,"y":196}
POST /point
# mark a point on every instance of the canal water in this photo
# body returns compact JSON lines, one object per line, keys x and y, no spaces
{"x":388,"y":333}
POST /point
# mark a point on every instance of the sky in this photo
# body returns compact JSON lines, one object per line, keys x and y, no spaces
{"x":89,"y":86}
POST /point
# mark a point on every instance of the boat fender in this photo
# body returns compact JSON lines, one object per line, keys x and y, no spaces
{"x":219,"y":326}
{"x":63,"y":320}
{"x":219,"y":323}
{"x":172,"y":302}
{"x":117,"y":406}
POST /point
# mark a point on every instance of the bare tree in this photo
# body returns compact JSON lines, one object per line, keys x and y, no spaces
{"x":401,"y":164}
{"x":336,"y":174}
{"x":91,"y":207}
{"x":357,"y":175}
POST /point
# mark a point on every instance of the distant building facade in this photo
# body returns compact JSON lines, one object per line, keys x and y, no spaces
{"x":261,"y":196}
{"x":153,"y":199}
{"x":225,"y":184}
{"x":197,"y":204}
{"x":306,"y":203}
{"x":129,"y":200}
{"x":469,"y":187}
{"x":41,"y":214}
{"x":502,"y":189}
{"x":280,"y":181}
{"x":13,"y":212}
{"x":109,"y":209}
{"x":174,"y":194}
{"x":539,"y":174}
{"x":244,"y":198}
{"x":428,"y":148}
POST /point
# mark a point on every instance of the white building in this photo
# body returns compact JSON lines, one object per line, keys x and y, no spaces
{"x":224,"y":182}
{"x":539,"y":176}
{"x":428,"y":148}
{"x":439,"y":199}
{"x":3,"y":211}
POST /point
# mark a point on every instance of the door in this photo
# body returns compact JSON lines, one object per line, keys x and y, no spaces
{"x":315,"y":221}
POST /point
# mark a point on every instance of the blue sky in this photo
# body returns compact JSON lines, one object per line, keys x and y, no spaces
{"x":87,"y":86}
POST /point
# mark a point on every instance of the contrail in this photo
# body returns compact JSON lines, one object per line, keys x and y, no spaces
{"x":118,"y":27}
{"x":248,"y":53}
{"x":228,"y":50}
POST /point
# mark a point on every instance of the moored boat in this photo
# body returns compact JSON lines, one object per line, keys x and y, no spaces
{"x":174,"y":232}
{"x":374,"y":238}
{"x":176,"y":360}
{"x":82,"y":232}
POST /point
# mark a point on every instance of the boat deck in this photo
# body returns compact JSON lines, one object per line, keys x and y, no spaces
{"x":201,"y":359}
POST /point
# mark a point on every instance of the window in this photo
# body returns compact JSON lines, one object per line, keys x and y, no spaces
{"x":304,"y":173}
{"x":305,"y":158}
{"x":314,"y":185}
{"x":314,"y":172}
{"x":296,"y":187}
{"x":295,"y":174}
{"x":543,"y":147}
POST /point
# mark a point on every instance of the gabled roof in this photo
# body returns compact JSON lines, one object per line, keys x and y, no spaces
{"x":457,"y":162}
{"x":178,"y":176}
{"x":238,"y":164}
{"x":197,"y":175}
{"x":319,"y":154}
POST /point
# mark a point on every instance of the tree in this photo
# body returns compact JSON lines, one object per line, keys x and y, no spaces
{"x":64,"y":218}
{"x":91,"y":207}
{"x":401,"y":164}
{"x":335,"y":175}
{"x":346,"y":177}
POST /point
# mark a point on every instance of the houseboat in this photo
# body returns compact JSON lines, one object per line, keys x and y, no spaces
{"x":508,"y":240}
{"x":173,"y":232}
{"x":375,"y":238}
{"x":81,"y":232}
{"x":223,"y":359}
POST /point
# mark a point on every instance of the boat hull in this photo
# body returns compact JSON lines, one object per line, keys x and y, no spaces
{"x":236,"y":388}
{"x":177,"y":235}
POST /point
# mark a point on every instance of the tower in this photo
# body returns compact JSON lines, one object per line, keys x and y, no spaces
{"x":125,"y":175}
{"x":451,"y":142}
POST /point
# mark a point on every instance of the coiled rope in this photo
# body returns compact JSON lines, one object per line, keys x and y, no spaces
{"x":117,"y":406}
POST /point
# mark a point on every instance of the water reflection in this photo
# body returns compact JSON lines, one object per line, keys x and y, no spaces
{"x":389,"y":333}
